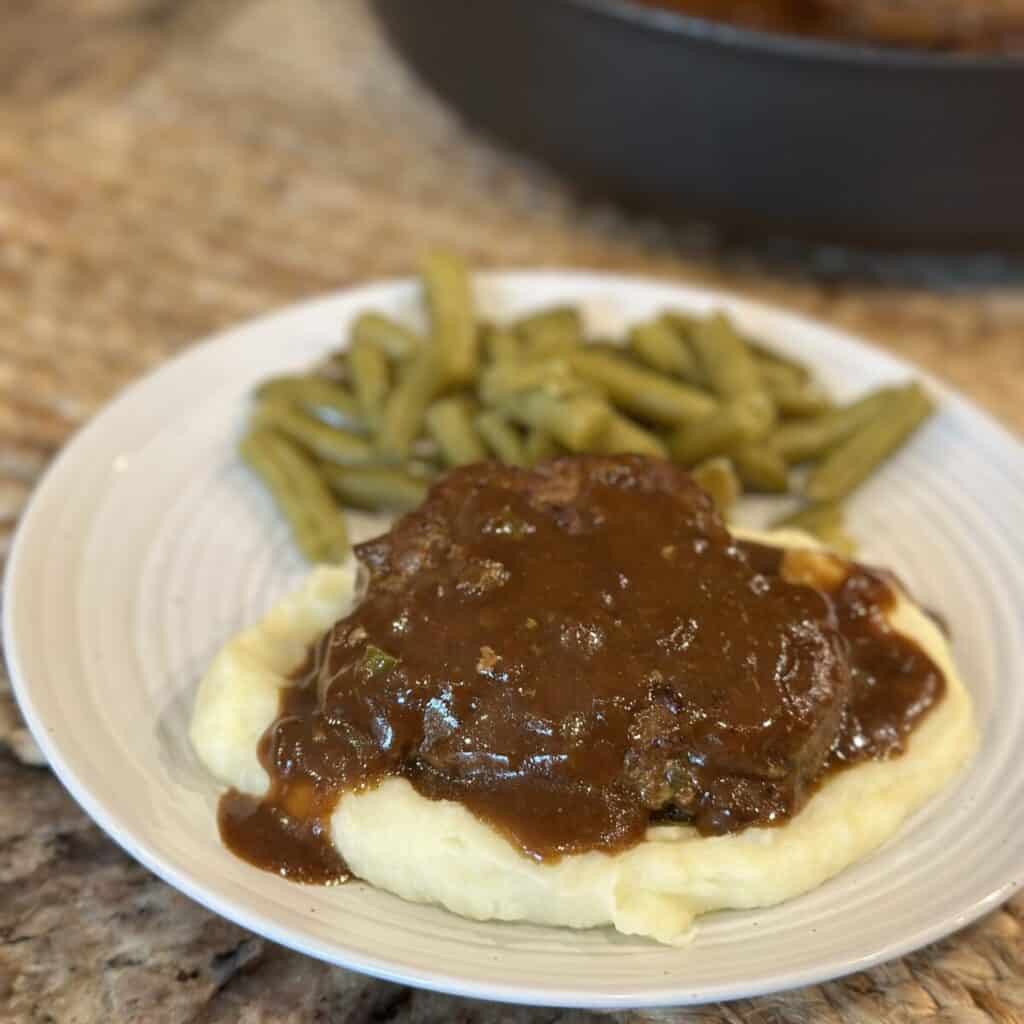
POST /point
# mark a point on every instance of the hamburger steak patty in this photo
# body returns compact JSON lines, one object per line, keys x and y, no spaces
{"x":585,"y":635}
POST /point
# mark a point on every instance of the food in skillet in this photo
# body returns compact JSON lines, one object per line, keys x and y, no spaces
{"x":570,"y":695}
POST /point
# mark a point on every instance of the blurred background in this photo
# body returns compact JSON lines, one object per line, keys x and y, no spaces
{"x":170,"y":167}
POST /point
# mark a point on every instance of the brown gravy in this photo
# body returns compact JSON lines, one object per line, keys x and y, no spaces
{"x":574,"y":670}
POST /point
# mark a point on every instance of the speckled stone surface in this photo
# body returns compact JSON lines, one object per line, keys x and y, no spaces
{"x":168,"y":167}
{"x":88,"y":935}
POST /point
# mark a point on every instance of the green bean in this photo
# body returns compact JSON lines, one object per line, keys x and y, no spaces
{"x":549,"y":346}
{"x":689,"y":388}
{"x":328,"y":442}
{"x":560,"y":319}
{"x":780,"y":375}
{"x":255,"y":453}
{"x":398,"y":341}
{"x":501,"y":437}
{"x":813,"y":438}
{"x":823,"y":520}
{"x":640,"y":391}
{"x":761,"y":467}
{"x":623,"y":435}
{"x":575,"y":422}
{"x":659,"y":345}
{"x":450,"y":424}
{"x":730,"y":366}
{"x":402,"y":418}
{"x":794,"y":394}
{"x":615,"y":349}
{"x":540,"y":446}
{"x":504,"y":380}
{"x":550,"y":332}
{"x":453,"y":326}
{"x":856,"y":458}
{"x":375,"y":488}
{"x":424,"y":449}
{"x":748,"y":418}
{"x":718,"y":477}
{"x":771,"y":361}
{"x":800,"y":402}
{"x":302,"y":472}
{"x":838,"y":540}
{"x":684,"y":324}
{"x":500,"y":345}
{"x":316,"y":523}
{"x":423,"y":469}
{"x":334,"y":369}
{"x":370,"y":377}
{"x":813,"y":517}
{"x":316,"y":394}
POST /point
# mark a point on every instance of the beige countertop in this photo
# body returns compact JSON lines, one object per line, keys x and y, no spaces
{"x":167,"y":169}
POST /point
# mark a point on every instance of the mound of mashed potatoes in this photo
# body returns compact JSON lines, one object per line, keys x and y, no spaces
{"x":439,"y":852}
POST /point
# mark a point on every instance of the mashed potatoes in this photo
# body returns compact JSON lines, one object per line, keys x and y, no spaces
{"x":438,"y":852}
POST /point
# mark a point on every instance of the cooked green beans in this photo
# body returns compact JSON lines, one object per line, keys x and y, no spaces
{"x":550,"y":332}
{"x":453,"y":324}
{"x":729,"y":365}
{"x":823,"y":520}
{"x":623,"y":435}
{"x":398,"y":341}
{"x":505,"y":380}
{"x":641,"y":391}
{"x":375,"y":488}
{"x":370,"y":378}
{"x":813,"y":438}
{"x":501,"y":437}
{"x":540,"y":446}
{"x":575,"y":422}
{"x":836,"y":538}
{"x":662,"y":347}
{"x":800,"y":401}
{"x":770,"y":360}
{"x":315,"y":394}
{"x":371,"y":427}
{"x":761,"y":468}
{"x":500,"y":345}
{"x":814,"y":517}
{"x":794,"y":395}
{"x":856,"y":458}
{"x":748,"y":418}
{"x":450,"y":424}
{"x":402,"y":418}
{"x":323,"y":440}
{"x":718,"y":477}
{"x":683,"y":324}
{"x":317,"y":524}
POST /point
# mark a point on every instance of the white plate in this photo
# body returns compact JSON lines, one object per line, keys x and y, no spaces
{"x":148,"y":544}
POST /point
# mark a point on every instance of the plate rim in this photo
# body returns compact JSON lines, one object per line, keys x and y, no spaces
{"x":379,"y":967}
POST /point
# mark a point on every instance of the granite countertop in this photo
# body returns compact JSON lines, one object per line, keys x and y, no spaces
{"x":168,"y":167}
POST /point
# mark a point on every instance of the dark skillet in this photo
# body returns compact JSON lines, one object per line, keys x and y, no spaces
{"x":751,"y":130}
